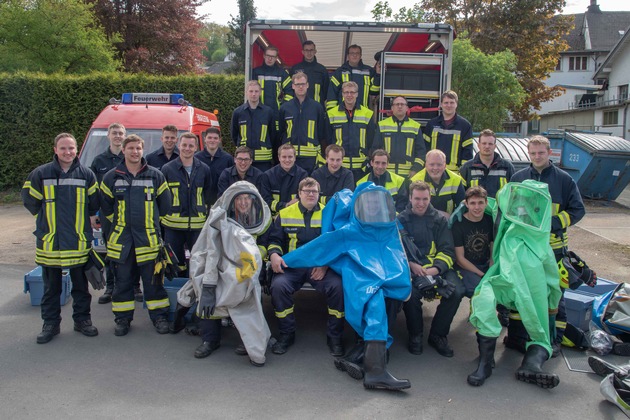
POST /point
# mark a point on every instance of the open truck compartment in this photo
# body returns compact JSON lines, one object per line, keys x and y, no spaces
{"x":416,"y":58}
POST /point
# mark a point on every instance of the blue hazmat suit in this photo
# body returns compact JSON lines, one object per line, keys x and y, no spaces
{"x":360,"y":241}
{"x":524,"y":276}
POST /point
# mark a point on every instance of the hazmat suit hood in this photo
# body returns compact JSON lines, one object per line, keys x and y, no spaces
{"x":257,"y":218}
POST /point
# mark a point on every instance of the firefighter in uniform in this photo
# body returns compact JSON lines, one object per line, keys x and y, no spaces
{"x":241,"y":171}
{"x":487,"y":169}
{"x":317,"y":74}
{"x":450,"y":133}
{"x":567,"y":208}
{"x":253,"y":125}
{"x":332,"y":177}
{"x":63,"y":195}
{"x":295,"y":226}
{"x":280,"y":184}
{"x":168,"y":152}
{"x":274,"y":80}
{"x":102,"y":164}
{"x":351,"y":126}
{"x":190,"y":182}
{"x":402,"y":138}
{"x":393,"y":183}
{"x":367,"y":80}
{"x":215,"y":158}
{"x":133,"y":197}
{"x":303,"y":124}
{"x":429,"y":231}
{"x":447,"y":187}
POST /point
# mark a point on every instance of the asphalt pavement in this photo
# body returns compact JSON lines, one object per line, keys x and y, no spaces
{"x":148,"y":375}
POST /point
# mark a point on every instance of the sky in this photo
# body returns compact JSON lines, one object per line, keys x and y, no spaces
{"x":347,"y":10}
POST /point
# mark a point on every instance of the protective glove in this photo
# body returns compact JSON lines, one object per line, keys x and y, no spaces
{"x":444,"y":287}
{"x":208,"y":301}
{"x":423,"y":283}
{"x":95,"y":277}
{"x":265,"y":278}
{"x":93,"y":270}
{"x":457,"y":214}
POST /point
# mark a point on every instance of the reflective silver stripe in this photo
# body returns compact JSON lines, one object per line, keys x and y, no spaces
{"x":448,"y":189}
{"x":361,"y":119}
{"x":340,"y":118}
{"x":288,"y":221}
{"x":272,"y":78}
{"x":69,"y":181}
{"x":142,"y":183}
{"x":121,"y":183}
{"x":476,"y":172}
{"x":361,"y":72}
{"x":449,"y":132}
{"x":497,"y":172}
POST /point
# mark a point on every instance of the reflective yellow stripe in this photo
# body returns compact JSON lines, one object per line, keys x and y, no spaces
{"x":174,"y":186}
{"x":335,"y":313}
{"x":157,"y":304}
{"x":565,"y":219}
{"x":289,"y":128}
{"x":316,"y":92}
{"x":284,"y":313}
{"x":310,"y":130}
{"x":292,"y":241}
{"x":200,"y":196}
{"x":123,"y":306}
{"x":243,"y":130}
{"x":263,"y":132}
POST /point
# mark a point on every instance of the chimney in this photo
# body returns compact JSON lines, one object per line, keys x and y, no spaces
{"x":594,"y":7}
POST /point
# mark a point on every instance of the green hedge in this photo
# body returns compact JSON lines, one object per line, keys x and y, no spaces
{"x":34,"y":108}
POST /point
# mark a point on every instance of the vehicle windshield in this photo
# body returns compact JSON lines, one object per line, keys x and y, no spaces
{"x":97,"y":142}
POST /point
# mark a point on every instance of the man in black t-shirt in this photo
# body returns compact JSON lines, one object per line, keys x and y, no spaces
{"x":473,"y":237}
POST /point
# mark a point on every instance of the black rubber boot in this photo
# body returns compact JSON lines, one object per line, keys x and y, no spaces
{"x":351,"y":362}
{"x":531,"y":368}
{"x":179,"y":321}
{"x":376,"y":374}
{"x":486,"y":359}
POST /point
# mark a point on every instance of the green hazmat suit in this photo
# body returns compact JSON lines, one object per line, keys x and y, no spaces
{"x":524,"y":276}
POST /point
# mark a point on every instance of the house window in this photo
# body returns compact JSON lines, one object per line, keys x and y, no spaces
{"x":623,"y":92}
{"x":578,"y":63}
{"x":611,"y":117}
{"x":600,"y":82}
{"x":559,"y":64}
{"x":536,"y":125}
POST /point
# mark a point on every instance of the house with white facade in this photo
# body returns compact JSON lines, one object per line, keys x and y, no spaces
{"x":579,"y":71}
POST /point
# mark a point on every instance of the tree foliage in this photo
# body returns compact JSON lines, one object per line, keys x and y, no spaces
{"x":236,"y":42}
{"x":51,"y":36}
{"x":157,"y":36}
{"x":529,"y":28}
{"x":215,"y":37}
{"x":486,"y":85}
{"x":382,"y":12}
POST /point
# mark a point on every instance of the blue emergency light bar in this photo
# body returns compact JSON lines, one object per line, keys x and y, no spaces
{"x":152,"y":98}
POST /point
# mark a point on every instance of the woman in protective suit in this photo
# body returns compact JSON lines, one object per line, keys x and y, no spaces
{"x":365,"y":248}
{"x":224,"y":266}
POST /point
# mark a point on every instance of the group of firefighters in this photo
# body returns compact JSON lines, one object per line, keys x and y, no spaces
{"x":436,"y":201}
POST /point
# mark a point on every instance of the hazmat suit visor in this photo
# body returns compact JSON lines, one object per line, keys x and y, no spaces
{"x":246,"y":209}
{"x":375,"y":207}
{"x":527,"y":207}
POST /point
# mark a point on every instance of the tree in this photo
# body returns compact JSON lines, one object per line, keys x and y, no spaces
{"x":486,"y":85}
{"x":158,"y":36}
{"x":215,"y":36}
{"x":236,"y":42}
{"x":51,"y":36}
{"x":382,"y":12}
{"x":531,"y":29}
